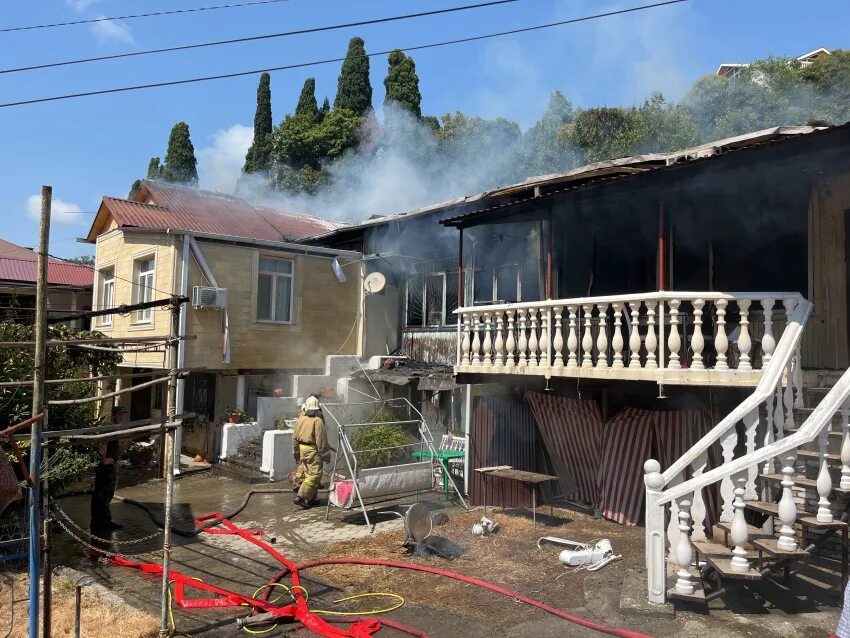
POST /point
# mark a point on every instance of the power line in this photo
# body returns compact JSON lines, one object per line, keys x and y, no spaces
{"x":224,"y":76}
{"x":255,"y":38}
{"x":140,"y":15}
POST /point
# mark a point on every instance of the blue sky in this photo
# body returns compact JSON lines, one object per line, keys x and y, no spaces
{"x":97,"y":146}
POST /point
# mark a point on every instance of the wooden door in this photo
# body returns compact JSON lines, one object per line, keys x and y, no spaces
{"x":826,"y":338}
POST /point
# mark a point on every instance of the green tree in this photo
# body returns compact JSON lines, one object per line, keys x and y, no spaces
{"x":154,"y":169}
{"x":604,"y":133}
{"x":180,"y":163}
{"x":67,"y":462}
{"x":402,"y":83}
{"x":258,"y":157}
{"x":666,"y":128}
{"x":541,"y":150}
{"x":326,"y":108}
{"x":307,"y":105}
{"x":354,"y":91}
{"x":85,"y":260}
{"x":828,"y":77}
{"x":134,"y":188}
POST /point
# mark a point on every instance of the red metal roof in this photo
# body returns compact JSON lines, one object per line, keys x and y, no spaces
{"x":194,"y":210}
{"x":59,"y":273}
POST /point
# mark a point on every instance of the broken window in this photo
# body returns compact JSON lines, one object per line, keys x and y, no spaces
{"x":434,"y":299}
{"x":415,"y":300}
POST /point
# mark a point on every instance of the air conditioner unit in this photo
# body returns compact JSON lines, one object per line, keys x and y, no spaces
{"x":208,"y":297}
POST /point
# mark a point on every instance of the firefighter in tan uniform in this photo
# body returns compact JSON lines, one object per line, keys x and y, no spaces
{"x":310,"y":449}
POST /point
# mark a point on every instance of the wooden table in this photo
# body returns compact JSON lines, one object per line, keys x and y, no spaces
{"x":532,"y":479}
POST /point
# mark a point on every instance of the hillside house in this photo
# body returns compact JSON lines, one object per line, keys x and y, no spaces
{"x":689,"y":307}
{"x":69,"y":286}
{"x":263,"y":306}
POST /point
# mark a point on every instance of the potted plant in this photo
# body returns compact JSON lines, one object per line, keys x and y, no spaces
{"x":235,"y":415}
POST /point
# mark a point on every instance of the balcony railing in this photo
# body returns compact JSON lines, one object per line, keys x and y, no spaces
{"x":668,"y":337}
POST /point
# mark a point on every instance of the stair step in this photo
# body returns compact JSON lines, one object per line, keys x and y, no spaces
{"x":753,"y":532}
{"x":769,"y":507}
{"x":724,"y":567}
{"x":771,"y":547}
{"x":812,"y":454}
{"x":803,"y":481}
{"x":833,"y":434}
{"x":801,"y":414}
{"x":812,"y":521}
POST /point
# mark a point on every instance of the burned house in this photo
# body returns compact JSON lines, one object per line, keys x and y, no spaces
{"x":687,"y":307}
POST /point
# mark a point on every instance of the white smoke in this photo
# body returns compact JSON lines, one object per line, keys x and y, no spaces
{"x":220,"y":163}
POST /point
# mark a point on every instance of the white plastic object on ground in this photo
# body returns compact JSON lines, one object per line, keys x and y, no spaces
{"x":484,"y":527}
{"x":583,"y":555}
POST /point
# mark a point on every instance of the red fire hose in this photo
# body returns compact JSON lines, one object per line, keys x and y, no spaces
{"x":612,"y":631}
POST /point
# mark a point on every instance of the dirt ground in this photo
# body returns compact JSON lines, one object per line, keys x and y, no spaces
{"x":509,"y":558}
{"x":98,"y":618}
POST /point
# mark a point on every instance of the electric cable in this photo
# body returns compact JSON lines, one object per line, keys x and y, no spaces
{"x":71,"y":23}
{"x":301,"y":65}
{"x":254,"y":38}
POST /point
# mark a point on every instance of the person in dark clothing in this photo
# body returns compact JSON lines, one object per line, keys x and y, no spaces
{"x":104,"y":480}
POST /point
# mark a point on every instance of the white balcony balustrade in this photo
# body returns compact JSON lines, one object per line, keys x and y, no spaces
{"x":669,"y":337}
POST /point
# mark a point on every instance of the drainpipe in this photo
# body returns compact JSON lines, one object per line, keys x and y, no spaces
{"x":240,"y":391}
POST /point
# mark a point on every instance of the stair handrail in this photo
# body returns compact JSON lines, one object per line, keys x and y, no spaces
{"x":771,"y":376}
{"x":820,"y":417}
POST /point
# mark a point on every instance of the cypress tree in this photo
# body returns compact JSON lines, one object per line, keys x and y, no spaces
{"x":354,"y":92}
{"x":326,"y":108}
{"x":257,"y":158}
{"x":134,"y":189}
{"x":307,"y":105}
{"x":180,"y":163}
{"x":402,"y":83}
{"x":154,"y":168}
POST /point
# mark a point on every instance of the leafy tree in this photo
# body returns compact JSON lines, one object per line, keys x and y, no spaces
{"x":326,"y":108}
{"x":85,"y":260}
{"x":180,"y":163}
{"x":666,"y":128}
{"x":258,"y":156}
{"x":604,"y":133}
{"x":541,"y":151}
{"x":307,"y":105}
{"x":354,"y":91}
{"x":154,"y":169}
{"x":829,"y":80}
{"x":67,"y":462}
{"x":402,"y":83}
{"x":134,"y":188}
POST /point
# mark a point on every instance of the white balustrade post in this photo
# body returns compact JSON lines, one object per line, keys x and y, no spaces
{"x":651,"y":341}
{"x":740,"y":535}
{"x":476,"y":341}
{"x":587,"y":340}
{"x":698,"y":510}
{"x":654,"y":529}
{"x":572,"y":339}
{"x":697,"y":340}
{"x":673,"y":532}
{"x":787,"y":507}
{"x":545,"y":350}
{"x":488,"y":342}
{"x":779,"y":413}
{"x":824,"y":482}
{"x":523,"y":341}
{"x":768,"y":434}
{"x":558,"y":341}
{"x":684,"y":554}
{"x":745,"y":343}
{"x":499,"y":343}
{"x":674,"y":341}
{"x":751,"y":422}
{"x":634,"y":336}
{"x":721,"y":342}
{"x":845,"y":447}
{"x":602,"y":337}
{"x":790,"y":304}
{"x":617,"y":341}
{"x":727,"y":487}
{"x":798,"y":376}
{"x":510,"y":341}
{"x":532,"y":338}
{"x":768,"y":342}
{"x":465,"y":344}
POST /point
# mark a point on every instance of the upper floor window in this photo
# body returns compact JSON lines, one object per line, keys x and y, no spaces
{"x":107,"y":294}
{"x":274,"y":289}
{"x":144,"y":269}
{"x":432,"y":299}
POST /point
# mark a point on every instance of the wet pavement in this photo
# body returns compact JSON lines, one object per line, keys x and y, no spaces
{"x":227,"y":561}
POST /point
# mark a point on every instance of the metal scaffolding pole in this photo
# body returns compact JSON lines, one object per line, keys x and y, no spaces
{"x":169,"y":465}
{"x":39,"y":370}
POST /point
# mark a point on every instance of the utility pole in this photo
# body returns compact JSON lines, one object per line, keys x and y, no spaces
{"x":164,"y":629}
{"x":39,"y":370}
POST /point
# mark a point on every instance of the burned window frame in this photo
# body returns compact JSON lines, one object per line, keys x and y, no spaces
{"x":419,"y":280}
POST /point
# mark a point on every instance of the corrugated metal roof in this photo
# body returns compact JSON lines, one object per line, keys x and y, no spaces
{"x":194,"y":210}
{"x":59,"y":273}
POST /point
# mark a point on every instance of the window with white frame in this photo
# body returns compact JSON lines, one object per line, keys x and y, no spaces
{"x":432,"y":299}
{"x":143,"y":279}
{"x":107,"y":294}
{"x":275,"y":289}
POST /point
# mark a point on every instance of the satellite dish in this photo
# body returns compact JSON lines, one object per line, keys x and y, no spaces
{"x":417,"y":523}
{"x":337,"y":268}
{"x":374,"y":283}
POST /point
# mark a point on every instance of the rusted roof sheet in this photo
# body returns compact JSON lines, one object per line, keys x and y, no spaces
{"x":59,"y":273}
{"x":194,"y":210}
